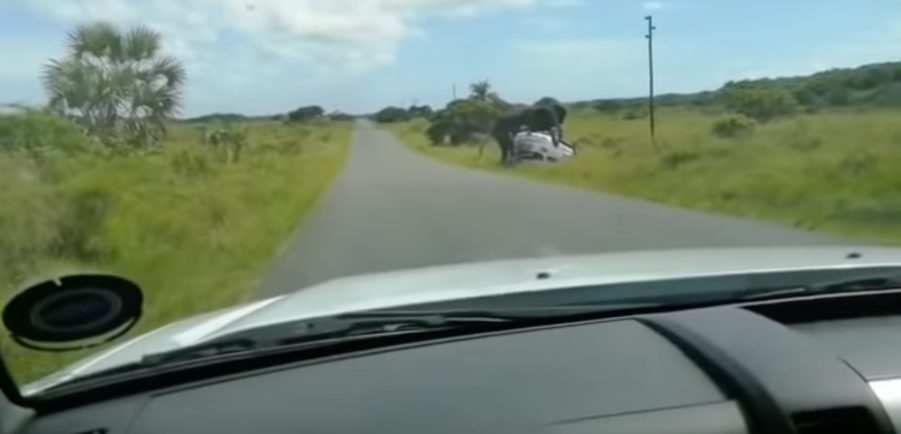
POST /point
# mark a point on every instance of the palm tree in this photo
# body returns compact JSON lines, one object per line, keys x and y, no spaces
{"x":117,"y":85}
{"x":480,"y":90}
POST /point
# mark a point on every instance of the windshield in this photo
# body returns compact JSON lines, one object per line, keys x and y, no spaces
{"x":233,"y":159}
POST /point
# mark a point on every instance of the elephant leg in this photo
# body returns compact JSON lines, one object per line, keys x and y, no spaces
{"x":504,"y":144}
{"x":510,"y":153}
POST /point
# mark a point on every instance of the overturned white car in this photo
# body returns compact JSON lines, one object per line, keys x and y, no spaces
{"x":529,"y":145}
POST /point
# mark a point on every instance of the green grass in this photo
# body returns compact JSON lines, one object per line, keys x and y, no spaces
{"x":833,"y":172}
{"x":196,"y":232}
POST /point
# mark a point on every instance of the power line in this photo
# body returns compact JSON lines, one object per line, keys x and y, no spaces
{"x":650,"y":37}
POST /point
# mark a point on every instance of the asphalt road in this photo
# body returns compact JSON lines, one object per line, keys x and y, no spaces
{"x":393,"y":208}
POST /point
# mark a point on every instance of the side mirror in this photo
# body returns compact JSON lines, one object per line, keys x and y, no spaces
{"x":71,"y":309}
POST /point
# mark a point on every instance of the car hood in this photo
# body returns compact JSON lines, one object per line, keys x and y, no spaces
{"x":465,"y":281}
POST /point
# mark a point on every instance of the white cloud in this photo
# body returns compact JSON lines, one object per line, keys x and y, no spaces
{"x":305,"y":49}
{"x":652,"y":6}
{"x":334,"y":36}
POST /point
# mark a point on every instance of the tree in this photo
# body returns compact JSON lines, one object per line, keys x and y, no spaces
{"x":481,"y":91}
{"x":420,"y":111}
{"x":117,"y":85}
{"x":306,"y":113}
{"x":462,"y":121}
{"x":392,"y":114}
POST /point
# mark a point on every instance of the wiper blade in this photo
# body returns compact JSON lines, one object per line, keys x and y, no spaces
{"x":872,"y":282}
{"x":324,"y":332}
{"x":506,"y":313}
{"x":373,"y":324}
{"x":308,"y":334}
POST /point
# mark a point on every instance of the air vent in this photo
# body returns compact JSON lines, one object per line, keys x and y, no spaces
{"x":857,"y":420}
{"x":829,"y":307}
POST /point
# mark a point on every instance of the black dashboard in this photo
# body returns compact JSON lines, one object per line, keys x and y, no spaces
{"x":814,"y":366}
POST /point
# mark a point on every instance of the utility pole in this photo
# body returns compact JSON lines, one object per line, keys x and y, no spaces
{"x":454,"y":92}
{"x":650,"y":37}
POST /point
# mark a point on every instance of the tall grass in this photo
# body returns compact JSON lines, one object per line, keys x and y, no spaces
{"x":195,"y":230}
{"x":834,"y":172}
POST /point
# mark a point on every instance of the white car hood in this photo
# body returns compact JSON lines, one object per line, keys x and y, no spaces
{"x":456,"y":282}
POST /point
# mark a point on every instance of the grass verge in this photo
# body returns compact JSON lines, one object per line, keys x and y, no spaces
{"x":831,"y":172}
{"x":193,"y":229}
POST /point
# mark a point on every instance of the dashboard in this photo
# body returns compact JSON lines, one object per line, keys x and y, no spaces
{"x":813,"y":366}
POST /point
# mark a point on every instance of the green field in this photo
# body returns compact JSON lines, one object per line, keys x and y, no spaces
{"x":195,"y":230}
{"x":834,"y":171}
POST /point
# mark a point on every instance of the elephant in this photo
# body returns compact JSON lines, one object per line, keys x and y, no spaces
{"x":532,"y":118}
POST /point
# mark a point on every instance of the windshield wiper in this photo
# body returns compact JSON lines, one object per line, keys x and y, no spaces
{"x":343,"y":328}
{"x":319,"y":331}
{"x":374,"y":324}
{"x":872,"y":282}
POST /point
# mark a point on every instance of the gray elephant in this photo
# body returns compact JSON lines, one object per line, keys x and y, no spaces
{"x":533,"y":118}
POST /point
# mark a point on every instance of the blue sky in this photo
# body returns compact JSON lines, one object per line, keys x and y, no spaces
{"x":269,"y":56}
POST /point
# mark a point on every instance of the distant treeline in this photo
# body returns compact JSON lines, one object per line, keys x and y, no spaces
{"x":301,"y":114}
{"x":873,"y":85}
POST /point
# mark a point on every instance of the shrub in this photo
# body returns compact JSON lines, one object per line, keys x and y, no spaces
{"x":733,"y":126}
{"x":762,"y":104}
{"x":40,"y":219}
{"x":634,"y":114}
{"x":437,"y":133}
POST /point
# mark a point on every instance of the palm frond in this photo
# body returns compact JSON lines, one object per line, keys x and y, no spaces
{"x":141,"y":43}
{"x":170,"y":68}
{"x":100,"y":40}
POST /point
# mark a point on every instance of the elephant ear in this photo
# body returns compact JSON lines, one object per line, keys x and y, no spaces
{"x":543,"y":118}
